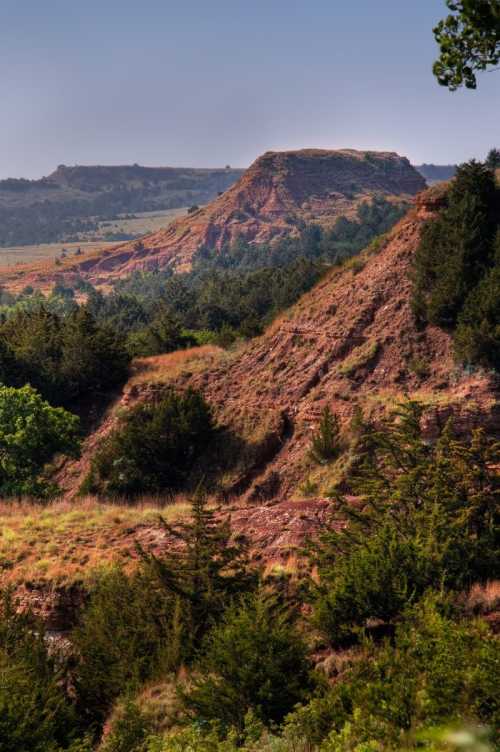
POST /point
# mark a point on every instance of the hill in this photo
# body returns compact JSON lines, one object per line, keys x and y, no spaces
{"x":436,"y":173}
{"x":72,"y":201}
{"x":352,"y":341}
{"x":281,"y":193}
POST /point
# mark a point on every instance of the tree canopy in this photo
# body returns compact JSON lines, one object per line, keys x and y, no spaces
{"x":469,"y":42}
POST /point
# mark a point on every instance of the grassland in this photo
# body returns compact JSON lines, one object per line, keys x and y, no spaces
{"x":141,"y":224}
{"x":64,"y":542}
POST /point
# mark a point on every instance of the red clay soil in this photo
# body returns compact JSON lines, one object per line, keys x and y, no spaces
{"x":277,"y":193}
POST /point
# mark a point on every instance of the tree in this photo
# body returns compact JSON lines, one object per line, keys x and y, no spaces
{"x":122,"y":639}
{"x":325,"y":442}
{"x":493,"y":159}
{"x":457,"y":247}
{"x":254,"y":660}
{"x":155,"y":447}
{"x":469,"y":41}
{"x":31,"y":432}
{"x":36,"y":714}
{"x":201,"y":573}
{"x":427,"y":517}
{"x":153,"y":621}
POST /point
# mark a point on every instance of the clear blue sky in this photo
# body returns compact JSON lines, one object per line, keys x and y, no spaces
{"x":213,"y":82}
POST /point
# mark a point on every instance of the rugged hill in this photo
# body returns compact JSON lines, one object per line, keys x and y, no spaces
{"x":278,"y":194}
{"x":351,"y":341}
{"x":70,"y":199}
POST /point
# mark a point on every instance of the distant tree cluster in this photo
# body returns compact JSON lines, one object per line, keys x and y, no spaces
{"x":65,"y":357}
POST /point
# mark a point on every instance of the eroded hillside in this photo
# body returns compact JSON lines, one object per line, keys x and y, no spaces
{"x":352,"y":341}
{"x":280,"y":193}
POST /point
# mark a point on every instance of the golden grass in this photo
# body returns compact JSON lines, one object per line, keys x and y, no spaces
{"x":163,"y":368}
{"x":67,"y":541}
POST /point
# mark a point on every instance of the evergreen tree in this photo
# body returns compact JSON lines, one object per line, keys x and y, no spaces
{"x":427,"y":516}
{"x":493,"y":159}
{"x":202,"y":572}
{"x":255,"y":661}
{"x":457,"y":247}
{"x":325,"y":443}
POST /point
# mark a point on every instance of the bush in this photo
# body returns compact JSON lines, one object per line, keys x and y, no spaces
{"x":31,"y":432}
{"x":122,"y":640}
{"x":129,"y":731}
{"x":325,"y":444}
{"x":155,"y":448}
{"x":254,"y":660}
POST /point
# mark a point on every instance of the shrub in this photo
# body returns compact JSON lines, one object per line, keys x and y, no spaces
{"x":31,"y":432}
{"x":438,"y":670}
{"x":129,"y":731}
{"x":155,"y":448}
{"x":254,"y":660}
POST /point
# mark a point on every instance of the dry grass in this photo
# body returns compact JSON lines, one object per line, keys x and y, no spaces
{"x":164,"y":368}
{"x":67,"y":541}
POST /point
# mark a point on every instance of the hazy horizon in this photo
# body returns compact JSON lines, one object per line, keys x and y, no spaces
{"x":162,"y":85}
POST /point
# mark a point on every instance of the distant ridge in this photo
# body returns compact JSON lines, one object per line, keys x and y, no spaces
{"x":67,"y":202}
{"x":278,"y":195}
{"x":436,"y":173}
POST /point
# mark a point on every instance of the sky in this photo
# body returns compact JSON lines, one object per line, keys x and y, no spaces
{"x":209,"y":83}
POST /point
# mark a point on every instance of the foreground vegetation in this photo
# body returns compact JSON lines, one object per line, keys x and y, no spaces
{"x":231,"y":653}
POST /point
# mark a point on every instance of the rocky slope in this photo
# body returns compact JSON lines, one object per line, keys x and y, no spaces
{"x":279,"y":193}
{"x":351,"y":341}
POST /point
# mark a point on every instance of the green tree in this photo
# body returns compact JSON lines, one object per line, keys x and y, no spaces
{"x":36,"y":714}
{"x":469,"y":41}
{"x":325,"y":443}
{"x":201,"y":574}
{"x":427,"y":518}
{"x":137,"y":626}
{"x":253,"y":660}
{"x":493,"y":159}
{"x":457,"y":248}
{"x":31,"y":432}
{"x":122,"y":640}
{"x":436,"y":670}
